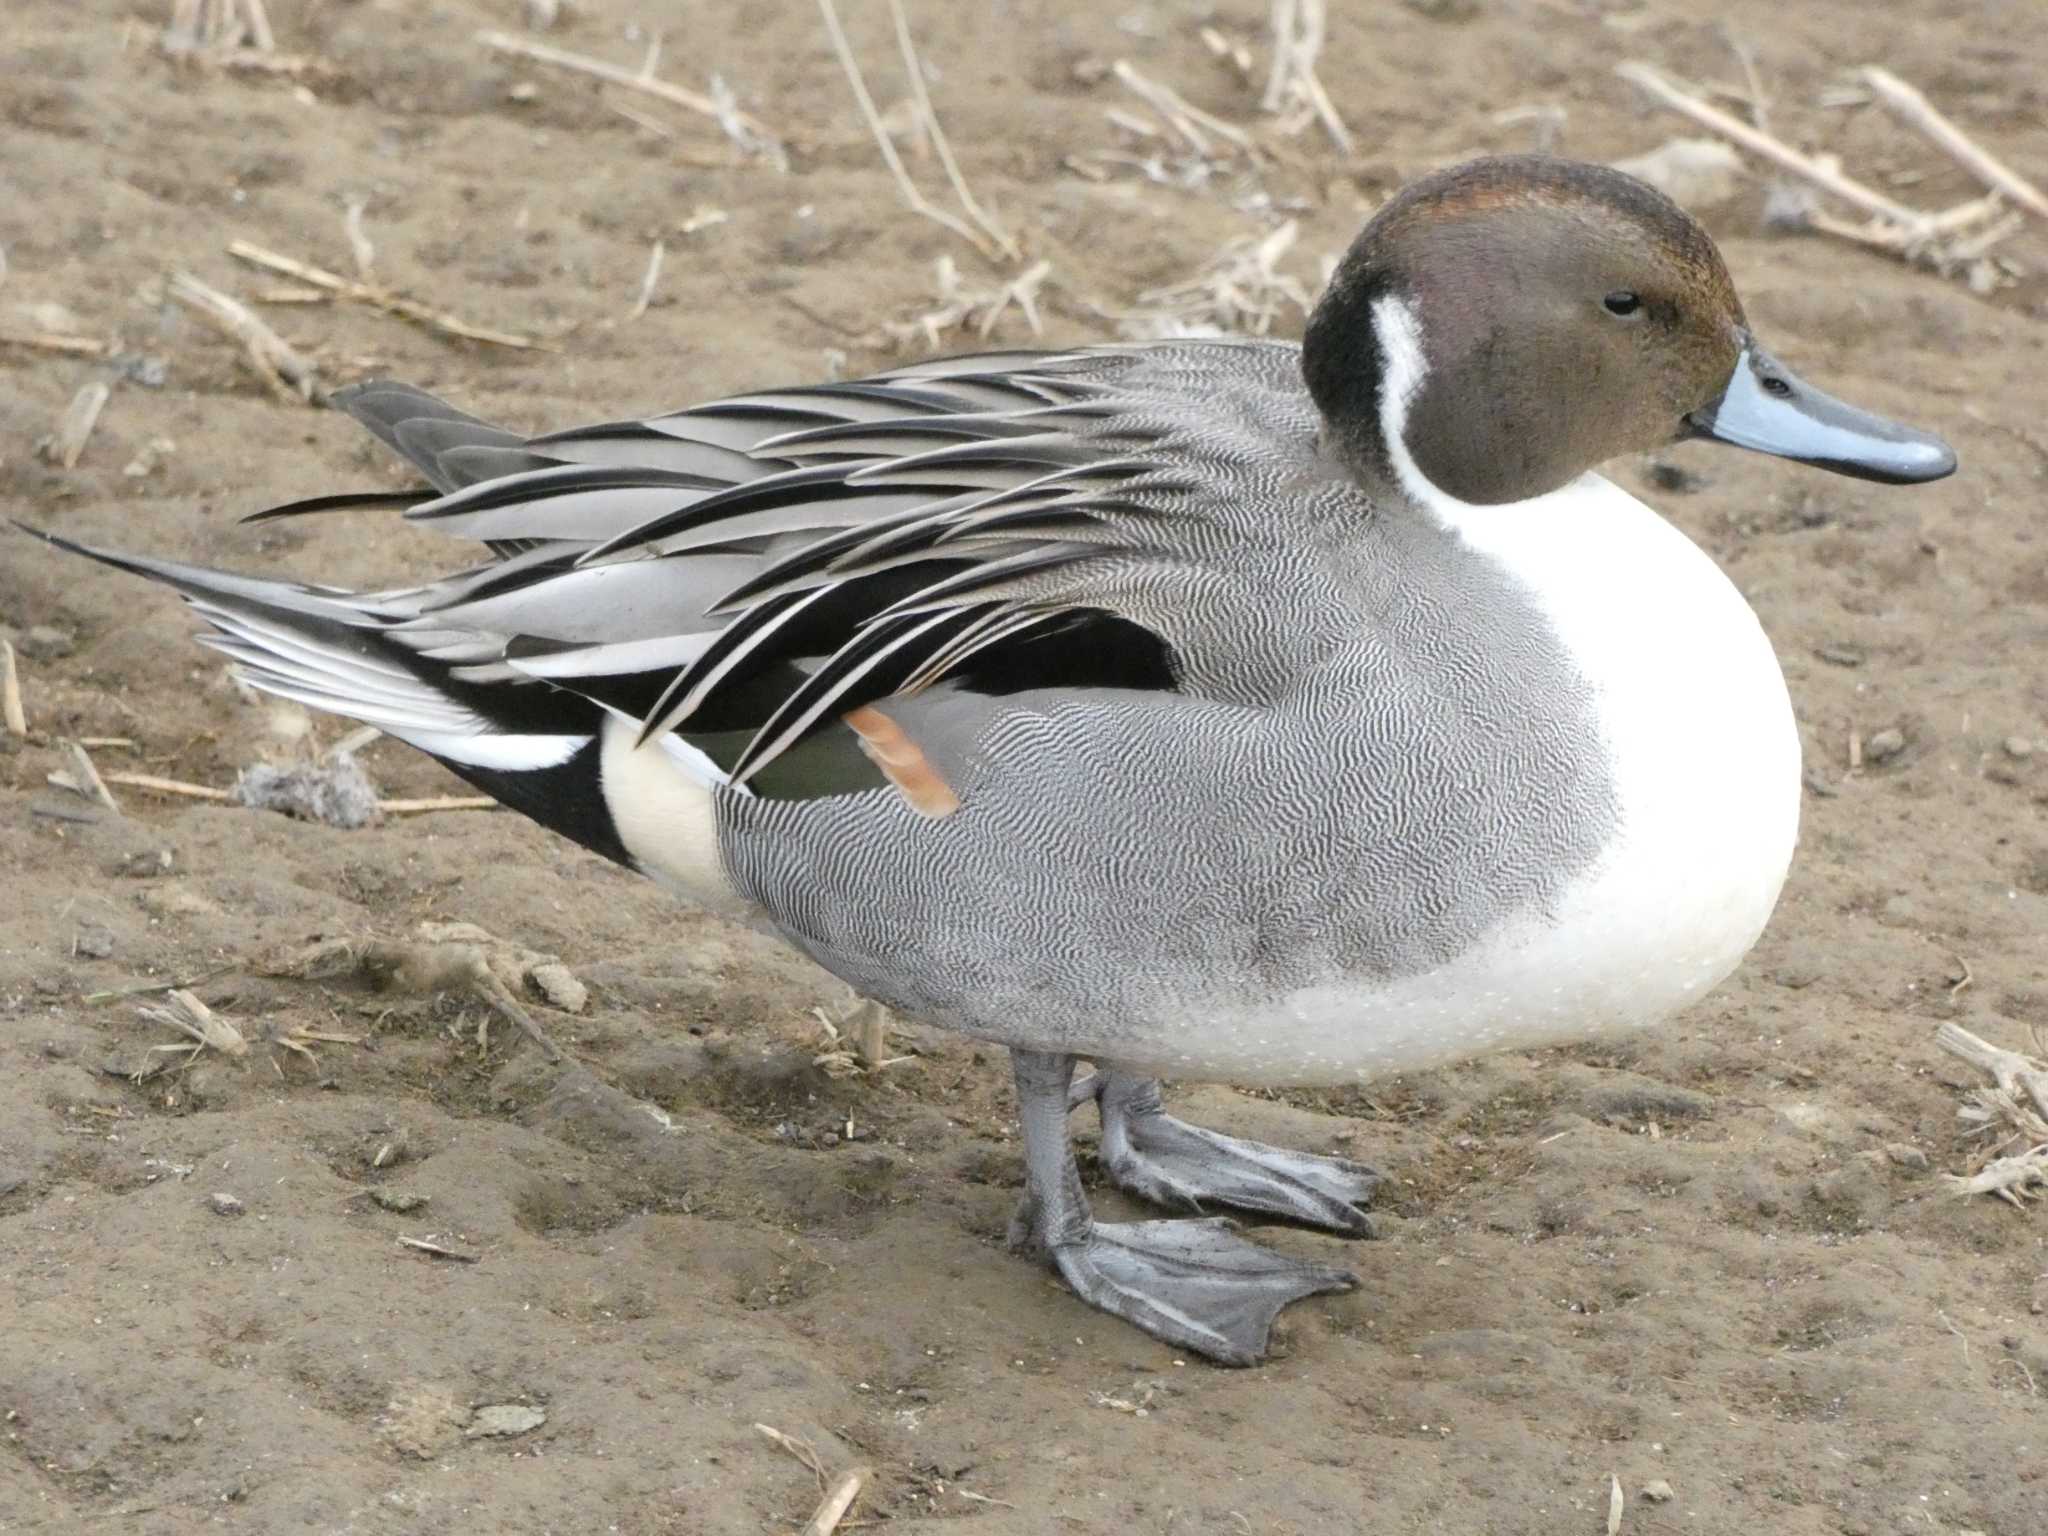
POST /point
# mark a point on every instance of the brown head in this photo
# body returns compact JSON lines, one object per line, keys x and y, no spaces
{"x":1516,"y":321}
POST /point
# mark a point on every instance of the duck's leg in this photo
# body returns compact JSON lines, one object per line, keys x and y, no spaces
{"x":1195,"y":1284}
{"x":1150,"y":1154}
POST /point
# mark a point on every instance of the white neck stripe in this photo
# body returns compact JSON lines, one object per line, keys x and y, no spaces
{"x":1404,"y":369}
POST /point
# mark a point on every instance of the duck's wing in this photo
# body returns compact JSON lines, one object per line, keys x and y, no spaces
{"x":731,"y":580}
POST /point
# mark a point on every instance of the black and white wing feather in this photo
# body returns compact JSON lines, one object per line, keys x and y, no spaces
{"x":730,"y":580}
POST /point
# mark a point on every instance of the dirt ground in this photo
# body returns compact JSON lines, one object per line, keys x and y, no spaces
{"x":1719,"y":1257}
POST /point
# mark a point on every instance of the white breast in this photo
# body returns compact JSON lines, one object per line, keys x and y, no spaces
{"x":1698,"y":725}
{"x":1706,"y":759}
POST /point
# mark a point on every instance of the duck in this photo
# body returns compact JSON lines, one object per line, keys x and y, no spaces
{"x":1200,"y":709}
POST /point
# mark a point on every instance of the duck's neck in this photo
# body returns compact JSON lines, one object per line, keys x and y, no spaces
{"x":1344,"y":364}
{"x":1393,"y":419}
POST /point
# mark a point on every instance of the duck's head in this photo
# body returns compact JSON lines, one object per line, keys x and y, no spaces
{"x":1503,"y":326}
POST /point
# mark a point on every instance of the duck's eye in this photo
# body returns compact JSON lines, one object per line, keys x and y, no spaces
{"x":1623,"y":303}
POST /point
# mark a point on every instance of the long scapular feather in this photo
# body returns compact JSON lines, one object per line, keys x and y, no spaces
{"x":734,"y":577}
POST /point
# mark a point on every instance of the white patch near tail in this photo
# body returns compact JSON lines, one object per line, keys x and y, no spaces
{"x":660,"y":799}
{"x":269,"y":655}
{"x":497,"y":753}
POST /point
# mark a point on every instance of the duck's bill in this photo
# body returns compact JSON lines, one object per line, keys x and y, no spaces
{"x":1768,"y":408}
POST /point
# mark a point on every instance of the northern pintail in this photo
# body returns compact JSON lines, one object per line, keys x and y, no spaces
{"x":1204,"y":708}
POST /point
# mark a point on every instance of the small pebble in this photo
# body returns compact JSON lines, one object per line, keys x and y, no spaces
{"x":93,"y":943}
{"x":149,"y":459}
{"x":141,"y":368}
{"x":1657,"y":1491}
{"x":1884,"y":745}
{"x":46,"y":642}
{"x":224,"y":1204}
{"x":554,"y":982}
{"x":498,"y":1419}
{"x":1907,"y":1157}
{"x":2020,"y":746}
{"x":1675,"y":479}
{"x":1694,"y":173}
{"x":1796,"y":974}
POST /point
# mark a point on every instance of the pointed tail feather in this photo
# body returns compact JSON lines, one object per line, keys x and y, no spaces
{"x":534,"y":747}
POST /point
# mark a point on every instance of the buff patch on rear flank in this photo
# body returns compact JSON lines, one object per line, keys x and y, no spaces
{"x":903,"y":763}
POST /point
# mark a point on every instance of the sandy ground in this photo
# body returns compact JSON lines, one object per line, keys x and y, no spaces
{"x":1719,"y":1257}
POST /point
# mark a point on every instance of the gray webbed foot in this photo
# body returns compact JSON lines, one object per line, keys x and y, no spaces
{"x":1150,"y":1154}
{"x":1196,"y":1285}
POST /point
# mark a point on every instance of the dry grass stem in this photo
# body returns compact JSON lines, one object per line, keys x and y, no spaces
{"x":802,"y":1450}
{"x":204,"y":1030}
{"x":258,"y":17}
{"x":12,"y":715}
{"x":1937,"y":244}
{"x":871,"y":1033}
{"x":921,"y":94}
{"x":1239,"y":291}
{"x":354,"y":741}
{"x":2013,"y":1072}
{"x":85,"y":778}
{"x":1757,"y":142}
{"x":1759,"y":104}
{"x":437,"y":803}
{"x":741,"y":129}
{"x":647,"y":281}
{"x":837,"y":1502}
{"x":449,"y":957}
{"x":1546,"y":122}
{"x":750,"y":132}
{"x":1234,"y":54}
{"x":65,"y":445}
{"x":435,"y":1250}
{"x":184,"y":790}
{"x":1933,"y":240}
{"x":913,"y":199}
{"x":233,"y":34}
{"x":855,"y":1040}
{"x":284,"y":370}
{"x":1285,"y":31}
{"x":2014,"y":1179}
{"x":958,"y":306}
{"x":653,"y":125}
{"x":1916,"y":110}
{"x":380,"y":298}
{"x":359,"y":246}
{"x":55,"y":341}
{"x":1181,"y":115}
{"x":175,"y":787}
{"x":2012,"y":1115}
{"x":1292,"y":87}
{"x":218,"y":25}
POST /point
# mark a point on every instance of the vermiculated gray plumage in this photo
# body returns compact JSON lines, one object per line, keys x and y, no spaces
{"x":1376,"y":751}
{"x":1221,"y":728}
